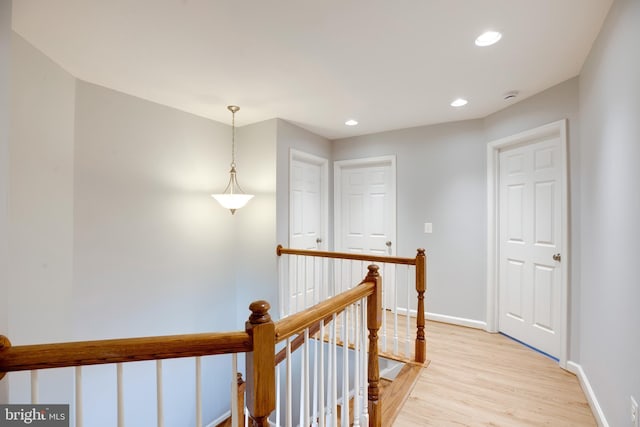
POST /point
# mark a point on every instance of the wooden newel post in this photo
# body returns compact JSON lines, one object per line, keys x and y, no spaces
{"x":5,"y":344}
{"x":421,"y":287}
{"x":260,"y":364}
{"x":374,"y":320}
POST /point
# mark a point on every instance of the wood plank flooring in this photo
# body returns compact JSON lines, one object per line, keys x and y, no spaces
{"x":481,"y":379}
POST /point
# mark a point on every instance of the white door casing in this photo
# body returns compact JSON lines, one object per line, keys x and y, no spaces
{"x":308,"y":220}
{"x":527,"y":290}
{"x":365,"y":210}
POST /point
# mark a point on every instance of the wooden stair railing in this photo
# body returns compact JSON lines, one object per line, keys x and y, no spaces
{"x":257,"y":341}
{"x":420,"y":355}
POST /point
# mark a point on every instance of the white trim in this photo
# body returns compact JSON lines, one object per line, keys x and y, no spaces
{"x":220,"y":419}
{"x":338,"y":166}
{"x":445,"y":318}
{"x":460,"y":321}
{"x":558,"y":128}
{"x":598,"y":413}
{"x":324,"y":189}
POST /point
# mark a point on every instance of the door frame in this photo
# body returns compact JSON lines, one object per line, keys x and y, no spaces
{"x":324,"y":190}
{"x":338,"y":166}
{"x":559,"y":129}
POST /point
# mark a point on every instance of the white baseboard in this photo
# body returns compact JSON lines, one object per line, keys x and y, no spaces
{"x":460,"y":321}
{"x":588,"y":391}
{"x":220,"y":419}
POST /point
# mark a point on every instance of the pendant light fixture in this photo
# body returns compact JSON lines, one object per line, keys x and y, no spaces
{"x":233,"y":197}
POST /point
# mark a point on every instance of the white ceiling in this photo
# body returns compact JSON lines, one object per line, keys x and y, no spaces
{"x":388,"y":64}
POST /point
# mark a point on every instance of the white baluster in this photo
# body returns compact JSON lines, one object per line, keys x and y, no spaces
{"x":198,"y":392}
{"x":356,"y":367}
{"x":120,"y":387}
{"x":307,"y":386}
{"x":159,"y":394}
{"x":407,"y":347}
{"x":383,"y":332}
{"x":78,"y":399}
{"x":297,"y":285}
{"x":365,"y":365}
{"x":334,"y":373}
{"x":289,"y":409}
{"x":278,"y":397}
{"x":345,"y":368}
{"x":395,"y":310}
{"x":34,"y":387}
{"x":303,"y":379}
{"x":321,"y":400}
{"x":315,"y":381}
{"x":235,"y":416}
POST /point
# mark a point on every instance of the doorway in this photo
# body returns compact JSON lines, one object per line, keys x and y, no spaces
{"x":365,"y":211}
{"x":308,"y":225}
{"x":527,"y":271}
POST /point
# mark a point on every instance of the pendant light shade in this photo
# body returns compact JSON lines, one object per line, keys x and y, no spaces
{"x":233,"y":197}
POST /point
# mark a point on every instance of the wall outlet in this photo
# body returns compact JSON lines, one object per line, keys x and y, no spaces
{"x":635,"y":421}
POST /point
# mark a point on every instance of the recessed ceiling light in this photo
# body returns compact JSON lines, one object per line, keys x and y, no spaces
{"x":459,"y":102}
{"x":488,"y":38}
{"x":351,"y":122}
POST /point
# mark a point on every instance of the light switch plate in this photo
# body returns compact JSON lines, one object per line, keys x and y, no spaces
{"x":428,"y":227}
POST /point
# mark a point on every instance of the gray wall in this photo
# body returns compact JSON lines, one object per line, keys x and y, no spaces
{"x":610,"y":208}
{"x":255,"y":233}
{"x":150,"y":243}
{"x":112,"y":226}
{"x":151,"y":247}
{"x":40,"y":210}
{"x":441,"y":178}
{"x":5,"y":64}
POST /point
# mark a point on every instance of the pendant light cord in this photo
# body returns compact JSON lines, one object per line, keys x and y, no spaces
{"x":233,"y":139}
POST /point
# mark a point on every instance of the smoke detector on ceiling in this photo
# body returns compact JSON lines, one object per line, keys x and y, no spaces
{"x":511,"y":95}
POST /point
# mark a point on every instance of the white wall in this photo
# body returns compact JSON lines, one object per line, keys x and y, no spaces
{"x":610,"y":208}
{"x":441,"y":178}
{"x":5,"y":64}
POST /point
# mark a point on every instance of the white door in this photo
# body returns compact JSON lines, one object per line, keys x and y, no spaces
{"x":307,"y":224}
{"x":530,"y":243}
{"x":365,"y":212}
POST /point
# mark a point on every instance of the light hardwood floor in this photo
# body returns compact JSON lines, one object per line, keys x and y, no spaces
{"x":481,"y":379}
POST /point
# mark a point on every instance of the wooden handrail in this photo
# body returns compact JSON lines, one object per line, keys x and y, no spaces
{"x":81,"y":353}
{"x":299,"y":340}
{"x":300,"y":321}
{"x":420,"y":354}
{"x":346,"y":255}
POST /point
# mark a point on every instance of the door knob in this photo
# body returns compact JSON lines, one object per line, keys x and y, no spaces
{"x":318,"y":240}
{"x":388,"y":243}
{"x":557,"y":257}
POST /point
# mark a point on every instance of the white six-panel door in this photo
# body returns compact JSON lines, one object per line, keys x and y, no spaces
{"x":308,"y":214}
{"x":365,"y":210}
{"x":530,"y":243}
